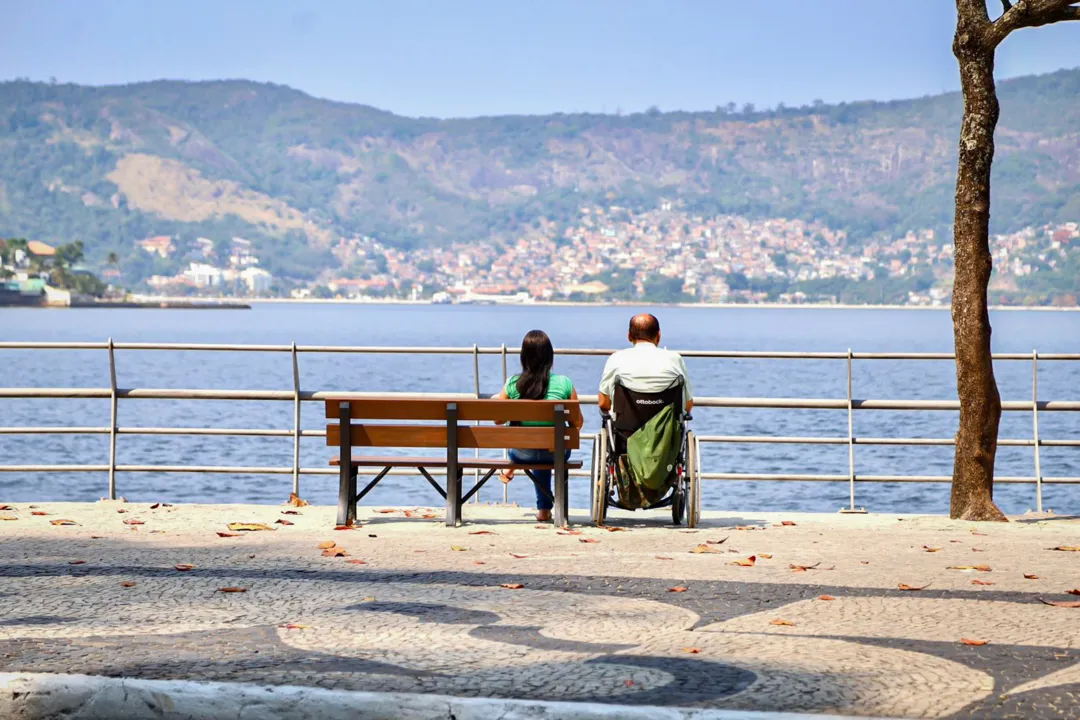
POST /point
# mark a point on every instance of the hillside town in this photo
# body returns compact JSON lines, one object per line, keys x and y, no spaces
{"x":614,"y":254}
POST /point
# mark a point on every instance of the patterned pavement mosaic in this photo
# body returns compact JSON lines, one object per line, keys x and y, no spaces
{"x":651,"y":614}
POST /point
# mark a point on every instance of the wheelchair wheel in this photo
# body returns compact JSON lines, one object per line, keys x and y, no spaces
{"x":600,"y":485}
{"x":693,"y":514}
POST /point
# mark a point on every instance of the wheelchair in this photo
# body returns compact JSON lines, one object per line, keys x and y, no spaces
{"x":682,"y":492}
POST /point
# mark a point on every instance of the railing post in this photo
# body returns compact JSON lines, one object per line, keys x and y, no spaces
{"x":476,"y":389}
{"x":851,"y":440}
{"x":296,"y":421}
{"x":506,"y":453}
{"x":1035,"y":428}
{"x":112,"y":421}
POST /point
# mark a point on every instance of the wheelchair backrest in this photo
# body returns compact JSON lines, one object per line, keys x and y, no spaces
{"x":634,"y":409}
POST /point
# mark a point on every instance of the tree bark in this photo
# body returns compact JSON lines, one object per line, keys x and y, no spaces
{"x":980,"y":403}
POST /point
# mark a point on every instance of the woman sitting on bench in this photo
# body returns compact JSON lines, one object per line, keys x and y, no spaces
{"x":536,"y":382}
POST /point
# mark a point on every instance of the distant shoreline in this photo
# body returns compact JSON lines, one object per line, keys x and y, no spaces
{"x":710,"y":306}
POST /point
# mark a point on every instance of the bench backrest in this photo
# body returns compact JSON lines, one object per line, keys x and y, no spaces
{"x":442,"y":415}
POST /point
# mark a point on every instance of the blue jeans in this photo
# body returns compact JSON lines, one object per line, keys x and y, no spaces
{"x":543,"y":477}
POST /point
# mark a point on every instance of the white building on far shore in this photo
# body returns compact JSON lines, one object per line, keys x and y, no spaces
{"x":257,"y":280}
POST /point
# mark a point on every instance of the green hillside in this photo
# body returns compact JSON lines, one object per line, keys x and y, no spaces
{"x":112,"y":165}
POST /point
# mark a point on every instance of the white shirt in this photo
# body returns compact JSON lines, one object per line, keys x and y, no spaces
{"x":645,"y":368}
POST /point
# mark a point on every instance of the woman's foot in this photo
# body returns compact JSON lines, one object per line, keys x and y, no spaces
{"x":506,"y":476}
{"x":543,"y":515}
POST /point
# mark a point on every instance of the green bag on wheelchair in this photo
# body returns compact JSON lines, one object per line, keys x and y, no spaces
{"x":653,"y":450}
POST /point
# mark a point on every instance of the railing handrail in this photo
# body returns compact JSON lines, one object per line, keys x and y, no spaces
{"x":471,"y":350}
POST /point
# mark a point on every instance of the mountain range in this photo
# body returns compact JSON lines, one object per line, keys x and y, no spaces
{"x":113,"y":165}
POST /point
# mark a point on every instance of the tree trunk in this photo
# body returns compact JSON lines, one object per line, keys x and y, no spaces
{"x":980,"y":403}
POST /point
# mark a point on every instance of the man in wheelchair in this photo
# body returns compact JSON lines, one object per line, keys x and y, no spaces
{"x":646,"y":455}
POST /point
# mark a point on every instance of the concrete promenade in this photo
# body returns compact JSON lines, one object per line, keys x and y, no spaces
{"x":504,"y":608}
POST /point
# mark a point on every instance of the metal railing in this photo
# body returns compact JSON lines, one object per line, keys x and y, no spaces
{"x":298,"y":396}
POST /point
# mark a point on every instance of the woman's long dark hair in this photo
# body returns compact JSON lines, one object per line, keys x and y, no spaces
{"x":537,"y":357}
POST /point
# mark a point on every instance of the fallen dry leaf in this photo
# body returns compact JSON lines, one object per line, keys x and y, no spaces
{"x":13,"y":517}
{"x":184,"y":567}
{"x":782,"y":622}
{"x":789,"y":523}
{"x":904,"y":586}
{"x":1030,"y":576}
{"x":512,"y":586}
{"x":969,"y":641}
{"x":134,"y":521}
{"x":976,"y":532}
{"x":981,"y":582}
{"x":291,"y":512}
{"x":678,"y":588}
{"x":611,"y":528}
{"x":826,"y":597}
{"x":249,"y":527}
{"x":325,"y":544}
{"x":1061,"y":603}
{"x":155,"y":506}
{"x":458,"y":548}
{"x":747,"y":562}
{"x":1067,"y":548}
{"x":296,"y":501}
{"x":76,"y":562}
{"x":295,"y":626}
{"x":968,"y":568}
{"x":519,"y":557}
{"x":479,"y":562}
{"x":225,"y":534}
{"x":701,"y":549}
{"x":927,"y":548}
{"x":542,"y":527}
{"x":357,"y":561}
{"x":38,"y":512}
{"x":283,"y":521}
{"x":803,"y":568}
{"x":588,"y":540}
{"x":59,"y":522}
{"x":766,"y":556}
{"x":8,"y":507}
{"x":384,"y":511}
{"x":692,"y":651}
{"x":1074,"y":591}
{"x":661,"y":557}
{"x":127,"y":583}
{"x":481,"y":532}
{"x":568,"y":532}
{"x":721,"y":541}
{"x":429,"y":516}
{"x":335,"y":552}
{"x":232,"y":590}
{"x":121,"y":510}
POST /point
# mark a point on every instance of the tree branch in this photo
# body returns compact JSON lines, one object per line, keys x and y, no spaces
{"x":1031,"y":13}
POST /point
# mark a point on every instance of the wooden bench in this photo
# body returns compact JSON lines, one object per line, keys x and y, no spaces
{"x":363,"y":422}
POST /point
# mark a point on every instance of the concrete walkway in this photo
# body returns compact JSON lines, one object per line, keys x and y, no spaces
{"x":503,"y":608}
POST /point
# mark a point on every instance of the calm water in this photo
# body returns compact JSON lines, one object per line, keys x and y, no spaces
{"x":683,"y":328}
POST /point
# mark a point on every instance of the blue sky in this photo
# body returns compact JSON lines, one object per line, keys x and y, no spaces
{"x":482,"y":57}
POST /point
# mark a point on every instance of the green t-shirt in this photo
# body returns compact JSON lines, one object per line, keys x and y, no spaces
{"x":559,"y":388}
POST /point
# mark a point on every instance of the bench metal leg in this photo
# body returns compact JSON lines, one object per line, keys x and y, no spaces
{"x":346,"y":509}
{"x":453,"y":497}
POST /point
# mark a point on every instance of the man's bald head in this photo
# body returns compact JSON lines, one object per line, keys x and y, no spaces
{"x":644,"y":328}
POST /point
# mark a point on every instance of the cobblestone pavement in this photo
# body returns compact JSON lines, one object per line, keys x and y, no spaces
{"x":599,"y":617}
